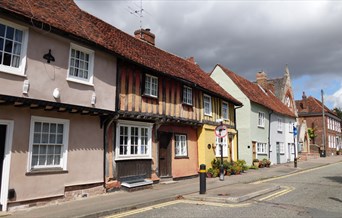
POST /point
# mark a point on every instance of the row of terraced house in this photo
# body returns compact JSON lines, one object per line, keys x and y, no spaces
{"x":86,"y":108}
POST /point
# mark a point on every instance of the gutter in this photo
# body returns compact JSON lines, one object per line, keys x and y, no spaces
{"x":269,"y":133}
{"x":237,"y":131}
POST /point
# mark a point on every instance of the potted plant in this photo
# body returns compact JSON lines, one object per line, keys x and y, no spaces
{"x":256,"y":162}
{"x":338,"y":152}
{"x":261,"y":164}
{"x":268,"y":163}
{"x":210,"y":172}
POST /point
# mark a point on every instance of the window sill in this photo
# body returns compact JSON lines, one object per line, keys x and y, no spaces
{"x":132,"y":158}
{"x":209,"y":115}
{"x":150,"y":96}
{"x":12,"y":73}
{"x":186,"y":104}
{"x":181,"y":157}
{"x":45,"y":171}
{"x":80,"y":81}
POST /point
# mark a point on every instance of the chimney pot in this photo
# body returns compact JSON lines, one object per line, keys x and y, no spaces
{"x":145,"y":35}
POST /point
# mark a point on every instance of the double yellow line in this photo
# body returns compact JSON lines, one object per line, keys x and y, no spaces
{"x":286,"y":189}
{"x":141,"y":210}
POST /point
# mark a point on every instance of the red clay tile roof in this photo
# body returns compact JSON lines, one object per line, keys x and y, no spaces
{"x":313,"y":106}
{"x":64,"y":15}
{"x":258,"y":95}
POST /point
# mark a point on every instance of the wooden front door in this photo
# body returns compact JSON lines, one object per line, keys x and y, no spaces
{"x":164,"y":154}
{"x":254,"y":150}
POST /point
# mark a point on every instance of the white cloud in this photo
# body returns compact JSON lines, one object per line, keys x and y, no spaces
{"x":336,"y":98}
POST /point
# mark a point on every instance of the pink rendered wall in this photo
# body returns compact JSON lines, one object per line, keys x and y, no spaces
{"x":182,"y":167}
{"x":84,"y":158}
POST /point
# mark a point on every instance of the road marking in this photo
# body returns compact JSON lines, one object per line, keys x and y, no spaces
{"x":293,"y":174}
{"x":286,"y":190}
{"x":141,"y":210}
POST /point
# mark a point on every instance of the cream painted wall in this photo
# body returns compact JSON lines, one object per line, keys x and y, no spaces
{"x":44,"y":77}
{"x":85,"y":154}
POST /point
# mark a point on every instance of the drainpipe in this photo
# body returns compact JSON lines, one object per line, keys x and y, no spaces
{"x":237,"y":132}
{"x":269,"y":133}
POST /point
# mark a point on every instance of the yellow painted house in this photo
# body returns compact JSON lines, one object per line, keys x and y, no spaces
{"x":216,"y":112}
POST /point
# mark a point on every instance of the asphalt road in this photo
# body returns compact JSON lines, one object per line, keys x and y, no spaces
{"x":313,"y":193}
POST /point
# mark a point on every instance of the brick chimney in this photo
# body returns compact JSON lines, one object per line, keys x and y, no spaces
{"x":304,"y":103}
{"x":145,"y":35}
{"x":191,"y":60}
{"x":261,"y":79}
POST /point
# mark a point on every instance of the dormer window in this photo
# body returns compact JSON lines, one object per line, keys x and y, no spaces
{"x":187,"y":95}
{"x":151,"y":86}
{"x":287,"y":101}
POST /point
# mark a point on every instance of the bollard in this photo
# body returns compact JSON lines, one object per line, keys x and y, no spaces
{"x":295,"y":162}
{"x":202,"y":177}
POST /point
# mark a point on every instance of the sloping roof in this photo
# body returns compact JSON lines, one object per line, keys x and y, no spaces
{"x":313,"y":106}
{"x":65,"y":16}
{"x":257,"y":94}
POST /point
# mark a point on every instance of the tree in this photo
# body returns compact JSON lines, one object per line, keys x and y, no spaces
{"x":338,"y":111}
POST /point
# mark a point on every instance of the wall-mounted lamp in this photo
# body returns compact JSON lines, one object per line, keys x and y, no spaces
{"x":56,"y":93}
{"x":93,"y":99}
{"x":214,"y":146}
{"x":48,"y":57}
{"x":26,"y":86}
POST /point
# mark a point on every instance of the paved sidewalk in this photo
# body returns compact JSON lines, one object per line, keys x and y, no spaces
{"x":235,"y":188}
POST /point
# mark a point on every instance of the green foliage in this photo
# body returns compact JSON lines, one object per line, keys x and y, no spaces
{"x":253,"y":167}
{"x":311,"y":133}
{"x":255,"y":160}
{"x":338,"y":111}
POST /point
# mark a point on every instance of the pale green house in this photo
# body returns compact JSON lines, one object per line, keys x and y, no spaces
{"x":253,"y":119}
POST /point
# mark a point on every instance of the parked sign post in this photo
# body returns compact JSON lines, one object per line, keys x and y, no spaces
{"x":221,"y":131}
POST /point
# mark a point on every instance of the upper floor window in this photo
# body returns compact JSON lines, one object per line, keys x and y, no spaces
{"x":48,"y":143}
{"x":13,"y":44}
{"x":181,"y":146}
{"x":151,"y":85}
{"x":280,"y":125}
{"x":207,"y":105}
{"x":81,"y":62}
{"x":290,"y":127}
{"x":134,"y":140}
{"x":261,"y":119}
{"x":187,"y":95}
{"x":225,"y":111}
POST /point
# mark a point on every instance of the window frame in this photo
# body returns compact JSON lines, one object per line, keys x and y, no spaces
{"x":181,"y":155}
{"x":279,"y":124}
{"x":186,"y":91}
{"x":64,"y":150}
{"x":129,"y":125}
{"x":151,"y":86}
{"x":261,"y":120}
{"x":91,"y":53}
{"x":227,"y":115}
{"x":20,"y":71}
{"x":210,"y":106}
{"x":263,"y":146}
